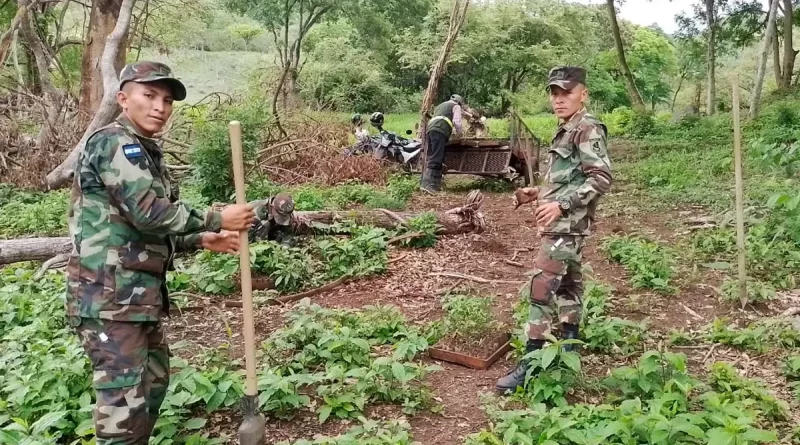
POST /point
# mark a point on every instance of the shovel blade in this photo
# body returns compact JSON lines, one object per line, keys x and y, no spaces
{"x":253,"y":430}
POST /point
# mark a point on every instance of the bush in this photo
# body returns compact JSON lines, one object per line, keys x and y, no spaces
{"x":641,"y":125}
{"x":211,"y":156}
{"x":618,"y":121}
{"x":35,"y":214}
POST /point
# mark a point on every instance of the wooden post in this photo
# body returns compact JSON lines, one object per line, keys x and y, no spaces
{"x":737,"y":161}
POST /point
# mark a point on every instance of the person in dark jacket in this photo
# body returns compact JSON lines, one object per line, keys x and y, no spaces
{"x":446,"y":119}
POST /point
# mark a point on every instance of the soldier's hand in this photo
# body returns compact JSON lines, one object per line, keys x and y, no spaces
{"x":525,"y":195}
{"x":222,"y":242}
{"x":238,"y":217}
{"x":546,"y":214}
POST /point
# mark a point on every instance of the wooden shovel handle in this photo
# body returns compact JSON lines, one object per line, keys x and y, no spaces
{"x":251,"y":388}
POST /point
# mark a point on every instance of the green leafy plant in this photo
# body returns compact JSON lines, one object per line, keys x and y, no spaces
{"x":734,"y":388}
{"x":649,"y":264}
{"x":35,"y":214}
{"x":603,"y":333}
{"x":339,"y":353}
{"x":757,"y":291}
{"x":758,"y":336}
{"x":551,"y":374}
{"x":368,"y":432}
{"x":469,"y":316}
{"x":426,"y":224}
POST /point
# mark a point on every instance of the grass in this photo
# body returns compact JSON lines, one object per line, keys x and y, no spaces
{"x":542,"y":125}
{"x":206,"y":72}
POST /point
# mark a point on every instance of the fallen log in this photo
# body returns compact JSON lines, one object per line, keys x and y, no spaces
{"x":33,"y":249}
{"x":465,"y":219}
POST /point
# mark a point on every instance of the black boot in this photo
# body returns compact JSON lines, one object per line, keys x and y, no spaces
{"x":517,"y":377}
{"x":569,"y":331}
{"x":431,"y":180}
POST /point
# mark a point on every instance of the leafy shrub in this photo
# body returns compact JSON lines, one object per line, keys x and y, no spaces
{"x":655,"y":374}
{"x":340,"y":347}
{"x":552,"y":372}
{"x":641,"y":125}
{"x":309,"y":197}
{"x":606,"y":334}
{"x":372,"y":432}
{"x":426,"y":224}
{"x":618,"y":121}
{"x":734,"y":388}
{"x":757,"y":291}
{"x":649,"y":264}
{"x":211,"y":155}
{"x":759,"y":336}
{"x":468,"y":316}
{"x":45,"y":387}
{"x":35,"y":214}
{"x":402,"y":187}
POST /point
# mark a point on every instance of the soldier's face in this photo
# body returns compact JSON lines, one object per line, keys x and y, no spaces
{"x":567,"y":102}
{"x":147,"y":105}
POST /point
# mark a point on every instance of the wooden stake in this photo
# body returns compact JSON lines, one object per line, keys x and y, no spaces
{"x":737,"y":161}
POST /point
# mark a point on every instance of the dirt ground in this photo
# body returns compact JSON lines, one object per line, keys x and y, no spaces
{"x":410,"y":285}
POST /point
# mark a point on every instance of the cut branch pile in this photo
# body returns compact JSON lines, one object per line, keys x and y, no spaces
{"x":314,"y":156}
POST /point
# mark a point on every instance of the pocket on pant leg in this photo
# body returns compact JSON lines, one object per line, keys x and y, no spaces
{"x":544,"y":285}
{"x":121,"y":410}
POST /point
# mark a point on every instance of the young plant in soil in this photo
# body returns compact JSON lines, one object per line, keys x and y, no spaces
{"x":469,"y":326}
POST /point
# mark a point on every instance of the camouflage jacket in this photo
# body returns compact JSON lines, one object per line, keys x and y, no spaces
{"x":579,"y":171}
{"x":126,"y":223}
{"x":264,"y":227}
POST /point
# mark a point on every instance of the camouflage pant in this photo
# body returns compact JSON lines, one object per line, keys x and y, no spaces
{"x":131,"y":377}
{"x":557,"y":284}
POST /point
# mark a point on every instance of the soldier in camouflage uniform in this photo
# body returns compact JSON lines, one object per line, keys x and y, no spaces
{"x":579,"y":173}
{"x":274,"y":217}
{"x":126,"y":223}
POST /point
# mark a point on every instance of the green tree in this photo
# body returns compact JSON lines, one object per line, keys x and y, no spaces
{"x":690,"y":63}
{"x":289,"y":22}
{"x":652,"y":62}
{"x":246,"y":32}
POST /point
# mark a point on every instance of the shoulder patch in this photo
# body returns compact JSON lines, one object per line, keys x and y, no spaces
{"x":132,"y":151}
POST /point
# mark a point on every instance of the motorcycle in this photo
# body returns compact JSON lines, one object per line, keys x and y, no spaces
{"x":386,"y":145}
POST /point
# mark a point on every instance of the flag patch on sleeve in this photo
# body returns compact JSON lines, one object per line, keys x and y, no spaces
{"x":132,"y":151}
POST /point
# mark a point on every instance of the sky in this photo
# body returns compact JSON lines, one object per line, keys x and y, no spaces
{"x":646,"y":12}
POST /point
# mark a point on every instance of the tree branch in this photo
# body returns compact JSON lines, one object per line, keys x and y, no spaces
{"x":61,"y":174}
{"x":8,"y":36}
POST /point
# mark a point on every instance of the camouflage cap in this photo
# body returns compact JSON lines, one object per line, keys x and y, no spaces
{"x":566,"y":77}
{"x":282,"y":208}
{"x":148,"y":71}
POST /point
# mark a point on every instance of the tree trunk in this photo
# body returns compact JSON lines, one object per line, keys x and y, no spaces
{"x":40,"y":56}
{"x":776,"y":59}
{"x":8,"y":36}
{"x":633,"y":93}
{"x":755,"y":96}
{"x":455,"y":221}
{"x":107,"y":109}
{"x":789,"y":52}
{"x":103,"y":18}
{"x":457,"y":17}
{"x":677,"y":90}
{"x":33,"y":249}
{"x":698,"y":92}
{"x":711,"y":93}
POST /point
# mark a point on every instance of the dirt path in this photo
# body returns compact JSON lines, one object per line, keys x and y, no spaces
{"x":409,"y":286}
